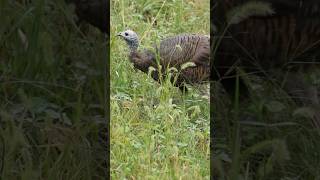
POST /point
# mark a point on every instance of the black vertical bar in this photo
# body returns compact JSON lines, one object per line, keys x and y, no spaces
{"x":212,"y":29}
{"x":107,"y":86}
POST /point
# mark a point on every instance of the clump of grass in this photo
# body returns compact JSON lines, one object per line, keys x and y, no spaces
{"x":267,"y":138}
{"x":51,"y":94}
{"x":156,"y":132}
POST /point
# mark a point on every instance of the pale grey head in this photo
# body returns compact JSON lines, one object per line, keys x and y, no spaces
{"x":131,"y":38}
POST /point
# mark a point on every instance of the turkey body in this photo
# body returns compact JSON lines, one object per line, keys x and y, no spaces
{"x":94,"y":12}
{"x":174,"y":52}
{"x":288,"y":40}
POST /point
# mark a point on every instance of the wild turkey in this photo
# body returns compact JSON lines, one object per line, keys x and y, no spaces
{"x":173,"y":52}
{"x":94,"y":12}
{"x":287,"y":41}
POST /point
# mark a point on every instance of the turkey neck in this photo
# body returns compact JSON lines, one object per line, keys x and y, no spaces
{"x":133,"y":46}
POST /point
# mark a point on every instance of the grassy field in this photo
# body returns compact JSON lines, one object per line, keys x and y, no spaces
{"x":52,"y":122}
{"x":156,"y":132}
{"x":52,"y":104}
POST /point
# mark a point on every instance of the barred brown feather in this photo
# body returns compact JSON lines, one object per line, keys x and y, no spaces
{"x":287,"y":41}
{"x":185,"y":48}
{"x":284,"y":39}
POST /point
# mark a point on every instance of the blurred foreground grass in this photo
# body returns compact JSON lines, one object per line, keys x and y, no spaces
{"x":52,"y":122}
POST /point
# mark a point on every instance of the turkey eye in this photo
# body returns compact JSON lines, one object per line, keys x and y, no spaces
{"x":126,"y":34}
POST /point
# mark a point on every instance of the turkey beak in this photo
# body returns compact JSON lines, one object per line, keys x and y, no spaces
{"x":119,"y":34}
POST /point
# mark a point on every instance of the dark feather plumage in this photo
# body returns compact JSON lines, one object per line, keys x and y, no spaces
{"x":94,"y":12}
{"x":287,"y":41}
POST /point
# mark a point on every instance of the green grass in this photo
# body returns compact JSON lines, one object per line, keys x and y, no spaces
{"x":52,"y":114}
{"x":266,"y":135}
{"x":156,"y":132}
{"x":52,"y":121}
